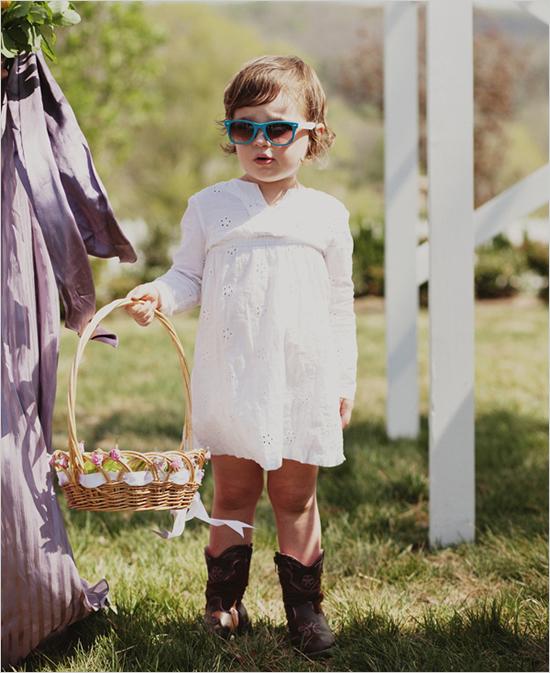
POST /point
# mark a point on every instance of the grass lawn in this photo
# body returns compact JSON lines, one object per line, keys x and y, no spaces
{"x":394,"y":603}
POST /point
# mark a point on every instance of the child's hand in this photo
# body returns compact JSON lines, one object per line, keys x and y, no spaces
{"x":143,"y":314}
{"x":346,"y":407}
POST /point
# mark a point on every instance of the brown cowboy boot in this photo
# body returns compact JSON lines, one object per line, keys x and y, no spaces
{"x":302,"y":596}
{"x":225,"y":615}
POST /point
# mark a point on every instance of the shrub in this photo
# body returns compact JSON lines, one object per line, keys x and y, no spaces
{"x":536,"y":253}
{"x":368,"y":256}
{"x":498,"y":268}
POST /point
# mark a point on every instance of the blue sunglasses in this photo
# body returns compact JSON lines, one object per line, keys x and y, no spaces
{"x":278,"y":133}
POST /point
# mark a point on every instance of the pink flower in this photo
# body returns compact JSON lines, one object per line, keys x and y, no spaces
{"x":115,"y":454}
{"x":98,"y":458}
{"x":176,"y":464}
{"x":59,"y":461}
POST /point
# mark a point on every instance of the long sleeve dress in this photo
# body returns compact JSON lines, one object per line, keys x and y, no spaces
{"x":54,"y":211}
{"x":276,"y":341}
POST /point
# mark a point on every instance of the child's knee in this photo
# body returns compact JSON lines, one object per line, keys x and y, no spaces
{"x":291,"y":501}
{"x":232,"y":496}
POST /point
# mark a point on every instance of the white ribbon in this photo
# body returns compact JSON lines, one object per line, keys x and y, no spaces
{"x":198,"y":511}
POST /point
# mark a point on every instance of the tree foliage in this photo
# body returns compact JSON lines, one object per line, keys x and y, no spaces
{"x":497,"y":66}
{"x":107,"y":69}
{"x":177,"y":153}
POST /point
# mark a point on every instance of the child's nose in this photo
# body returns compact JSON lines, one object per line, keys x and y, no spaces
{"x":260,"y":138}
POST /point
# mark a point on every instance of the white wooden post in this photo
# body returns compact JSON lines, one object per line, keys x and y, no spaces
{"x":538,"y":8}
{"x":401,"y":213}
{"x":495,"y":215}
{"x":451,"y":273}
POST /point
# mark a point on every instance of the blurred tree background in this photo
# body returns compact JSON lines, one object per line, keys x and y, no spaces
{"x":146,"y":81}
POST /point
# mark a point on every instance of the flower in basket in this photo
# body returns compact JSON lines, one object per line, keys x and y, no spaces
{"x":115,"y":454}
{"x":179,"y":475}
{"x":92,"y":475}
{"x":176,"y":464}
{"x":60,"y":462}
{"x":163,"y":468}
{"x":98,"y":458}
{"x":113,"y":462}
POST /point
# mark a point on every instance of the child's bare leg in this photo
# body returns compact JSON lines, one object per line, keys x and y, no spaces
{"x":292,"y":491}
{"x":238,"y":484}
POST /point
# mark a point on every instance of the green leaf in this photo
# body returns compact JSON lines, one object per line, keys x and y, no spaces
{"x":69,"y":18}
{"x":47,"y":33}
{"x":34,"y":38}
{"x":9,"y":45}
{"x":17,"y":35}
{"x":7,"y":52}
{"x":47,"y":49}
{"x":58,"y":6}
{"x":16,"y":10}
{"x":38,"y":15}
{"x":111,"y":465}
{"x":89,"y":468}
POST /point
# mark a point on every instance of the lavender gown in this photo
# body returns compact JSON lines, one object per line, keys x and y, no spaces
{"x":54,"y":211}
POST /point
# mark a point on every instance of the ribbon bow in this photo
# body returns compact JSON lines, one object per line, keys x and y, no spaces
{"x":197,"y":510}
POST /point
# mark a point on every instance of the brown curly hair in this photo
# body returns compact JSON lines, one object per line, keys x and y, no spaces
{"x":261,"y":80}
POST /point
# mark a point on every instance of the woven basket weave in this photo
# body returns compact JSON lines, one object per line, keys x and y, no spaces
{"x":116,"y":494}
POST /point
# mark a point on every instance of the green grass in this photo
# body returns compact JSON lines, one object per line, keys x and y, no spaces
{"x":394,"y":603}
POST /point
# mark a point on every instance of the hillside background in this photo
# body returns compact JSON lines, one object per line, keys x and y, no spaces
{"x":146,"y":80}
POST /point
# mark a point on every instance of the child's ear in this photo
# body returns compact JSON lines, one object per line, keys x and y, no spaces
{"x":320,"y":128}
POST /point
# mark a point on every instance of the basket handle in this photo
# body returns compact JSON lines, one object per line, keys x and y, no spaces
{"x":74,"y":451}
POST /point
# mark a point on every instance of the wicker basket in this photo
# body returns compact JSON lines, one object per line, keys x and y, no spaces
{"x":162,"y":490}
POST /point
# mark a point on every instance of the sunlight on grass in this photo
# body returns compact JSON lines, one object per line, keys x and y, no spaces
{"x":394,"y":603}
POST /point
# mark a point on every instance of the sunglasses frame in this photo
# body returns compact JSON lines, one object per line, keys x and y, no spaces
{"x":264,"y":128}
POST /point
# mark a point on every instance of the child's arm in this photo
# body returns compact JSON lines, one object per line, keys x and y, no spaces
{"x":179,"y":289}
{"x":338,"y":258}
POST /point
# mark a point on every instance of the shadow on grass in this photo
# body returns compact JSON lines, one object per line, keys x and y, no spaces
{"x":391,"y":476}
{"x":386,"y":478}
{"x":484,"y":638}
{"x":478,"y":639}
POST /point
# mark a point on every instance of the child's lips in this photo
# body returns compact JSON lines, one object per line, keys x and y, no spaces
{"x":264,"y":160}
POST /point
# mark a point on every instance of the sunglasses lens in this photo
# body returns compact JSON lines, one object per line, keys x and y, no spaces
{"x":280,"y":133}
{"x":241,"y":132}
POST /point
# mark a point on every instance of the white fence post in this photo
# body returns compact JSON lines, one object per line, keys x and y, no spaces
{"x":495,"y":215}
{"x":451,"y":273}
{"x":401,"y":213}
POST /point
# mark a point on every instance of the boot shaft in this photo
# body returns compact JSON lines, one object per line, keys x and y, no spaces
{"x":228,"y":575}
{"x":299,"y":583}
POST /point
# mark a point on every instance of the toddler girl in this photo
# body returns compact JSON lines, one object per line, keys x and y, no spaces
{"x":269,"y":261}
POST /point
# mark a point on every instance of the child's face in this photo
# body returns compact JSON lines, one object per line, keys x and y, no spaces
{"x":286,"y":160}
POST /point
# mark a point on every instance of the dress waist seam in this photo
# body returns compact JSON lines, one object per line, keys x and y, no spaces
{"x":263,"y":242}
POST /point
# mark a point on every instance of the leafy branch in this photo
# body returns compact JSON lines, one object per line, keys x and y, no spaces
{"x":30,"y":26}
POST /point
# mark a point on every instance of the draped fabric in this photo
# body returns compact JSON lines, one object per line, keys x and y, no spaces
{"x":54,"y":212}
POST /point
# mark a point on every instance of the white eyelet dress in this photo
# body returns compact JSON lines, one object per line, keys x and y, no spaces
{"x":276,"y":341}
